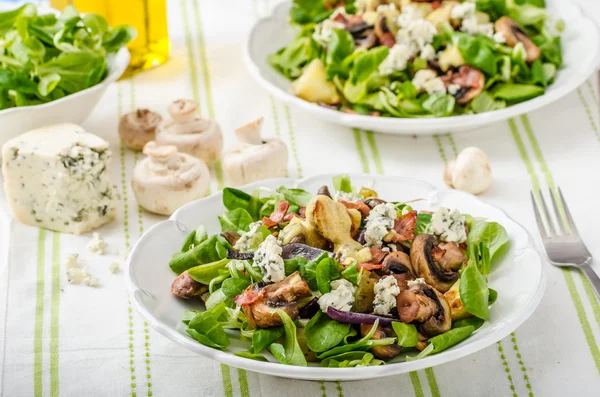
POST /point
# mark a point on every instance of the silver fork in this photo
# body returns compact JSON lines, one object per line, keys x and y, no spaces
{"x":563,"y":246}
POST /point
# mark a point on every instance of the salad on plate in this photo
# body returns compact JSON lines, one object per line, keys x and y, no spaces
{"x":409,"y":58}
{"x":344,"y":280}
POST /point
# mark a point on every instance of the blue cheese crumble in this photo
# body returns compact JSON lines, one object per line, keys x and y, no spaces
{"x":268,"y":258}
{"x":386,"y":291}
{"x":449,"y":226}
{"x":379,"y":222}
{"x":341,"y":296}
{"x":414,"y":36}
{"x":249,"y":240}
{"x":348,"y":197}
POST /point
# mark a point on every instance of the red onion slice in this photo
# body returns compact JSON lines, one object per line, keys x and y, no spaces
{"x":357,"y":318}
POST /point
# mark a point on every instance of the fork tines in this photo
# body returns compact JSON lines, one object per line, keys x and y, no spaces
{"x":559,"y":211}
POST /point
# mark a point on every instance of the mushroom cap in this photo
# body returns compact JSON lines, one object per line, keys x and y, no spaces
{"x":167,"y":179}
{"x":425,"y":267}
{"x":471,"y":171}
{"x":249,"y":163}
{"x":423,"y":304}
{"x":514,"y":34}
{"x":199,"y":137}
{"x":471,"y":82}
{"x":397,"y":263}
{"x":138,"y":128}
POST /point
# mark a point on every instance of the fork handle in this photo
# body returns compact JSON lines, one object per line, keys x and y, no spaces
{"x":592,"y":277}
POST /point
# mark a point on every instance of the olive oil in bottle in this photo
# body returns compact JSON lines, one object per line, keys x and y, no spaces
{"x":148,"y":17}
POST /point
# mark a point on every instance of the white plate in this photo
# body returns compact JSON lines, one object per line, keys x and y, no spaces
{"x":74,"y":108}
{"x":581,"y":49}
{"x":519,"y":279}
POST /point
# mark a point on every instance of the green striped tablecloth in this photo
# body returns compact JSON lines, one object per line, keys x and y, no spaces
{"x":66,"y":340}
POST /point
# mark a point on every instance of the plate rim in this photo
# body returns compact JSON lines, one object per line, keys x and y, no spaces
{"x":422,"y":126}
{"x":319,"y":373}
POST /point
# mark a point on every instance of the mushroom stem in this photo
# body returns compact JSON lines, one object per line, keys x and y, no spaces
{"x":250,"y":133}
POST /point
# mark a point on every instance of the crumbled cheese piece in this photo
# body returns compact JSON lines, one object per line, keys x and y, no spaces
{"x":97,"y":245}
{"x":472,"y":26}
{"x":428,"y":53}
{"x":379,"y":222}
{"x":418,"y":281}
{"x":74,"y":275}
{"x":268,"y":258}
{"x":78,"y":276}
{"x":449,"y":226}
{"x":463,"y":10}
{"x":248,"y":240}
{"x":348,"y":197}
{"x":341,"y":296}
{"x":435,"y":86}
{"x":499,"y":37}
{"x":58,"y":178}
{"x":423,"y":76}
{"x":324,"y":30}
{"x":410,"y":14}
{"x":386,"y":291}
{"x":114,"y":267}
{"x":90,"y":280}
{"x":414,"y":35}
{"x":397,"y":59}
{"x":72,"y":261}
{"x":453,"y":89}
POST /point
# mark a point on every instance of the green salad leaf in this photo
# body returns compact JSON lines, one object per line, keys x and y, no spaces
{"x":290,"y":352}
{"x":264,"y":337}
{"x":309,"y":11}
{"x":446,"y":340}
{"x":406,"y":333}
{"x":491,"y":234}
{"x":474,"y":292}
{"x":323,"y":333}
{"x":205,"y":328}
{"x":237,"y":220}
{"x":327,"y":270}
{"x":208,"y":251}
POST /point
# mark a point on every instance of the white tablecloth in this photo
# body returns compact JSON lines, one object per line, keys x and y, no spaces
{"x":58,"y":339}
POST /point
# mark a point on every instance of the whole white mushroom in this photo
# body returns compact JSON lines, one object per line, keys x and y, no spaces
{"x":257,"y":158}
{"x":470,"y":171}
{"x":191,"y":133}
{"x":167,"y":179}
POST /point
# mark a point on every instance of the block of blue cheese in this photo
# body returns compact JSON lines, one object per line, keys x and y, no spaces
{"x":57,"y":177}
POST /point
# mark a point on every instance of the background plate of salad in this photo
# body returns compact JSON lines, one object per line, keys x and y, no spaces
{"x":500,"y":282}
{"x":422,"y":67}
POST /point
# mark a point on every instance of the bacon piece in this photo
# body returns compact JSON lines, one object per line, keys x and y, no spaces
{"x":370,"y":266}
{"x":278,"y":215}
{"x":436,"y":4}
{"x":405,"y":227}
{"x":361,"y":206}
{"x":377,"y":255}
{"x":289,"y":216}
{"x":249,"y":296}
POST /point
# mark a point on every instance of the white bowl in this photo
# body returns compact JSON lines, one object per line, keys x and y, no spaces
{"x":581,"y":50}
{"x":519,"y":278}
{"x":74,"y":108}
